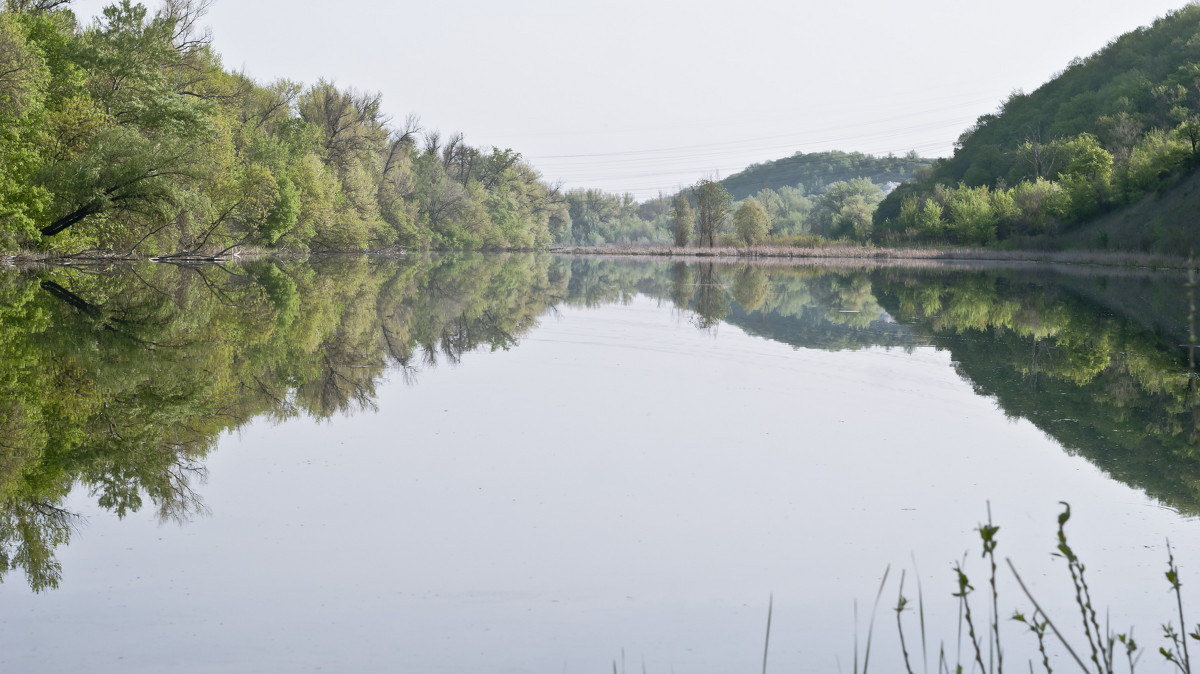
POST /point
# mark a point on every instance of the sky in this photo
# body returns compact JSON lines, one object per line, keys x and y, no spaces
{"x":644,"y":96}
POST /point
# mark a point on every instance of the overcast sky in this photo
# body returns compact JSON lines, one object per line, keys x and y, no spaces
{"x":649,"y":95}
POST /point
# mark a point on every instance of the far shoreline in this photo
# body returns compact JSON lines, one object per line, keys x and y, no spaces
{"x":884,"y":255}
{"x":826,"y":255}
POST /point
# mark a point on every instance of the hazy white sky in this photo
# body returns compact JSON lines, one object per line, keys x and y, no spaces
{"x":648,"y":95}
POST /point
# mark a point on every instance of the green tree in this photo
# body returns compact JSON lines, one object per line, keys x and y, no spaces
{"x":23,"y":79}
{"x":920,"y":218}
{"x":713,"y":209}
{"x":1039,"y":206}
{"x":683,"y":220}
{"x":351,"y":124}
{"x":846,"y":207}
{"x":751,"y":222}
{"x":1189,"y":131}
{"x":143,"y":164}
{"x":854,"y":220}
{"x":792,"y":211}
{"x":971,"y":214}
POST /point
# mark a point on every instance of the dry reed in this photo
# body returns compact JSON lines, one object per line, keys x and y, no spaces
{"x":890,"y":254}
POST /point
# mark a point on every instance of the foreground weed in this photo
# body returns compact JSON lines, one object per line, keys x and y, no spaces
{"x":901,"y":605}
{"x":767,"y":642}
{"x":870,"y":626}
{"x":1130,"y":648}
{"x":1099,"y":642}
{"x":1177,"y":654}
{"x":1103,"y":645}
{"x":987,"y":532}
{"x":964,"y":589}
{"x":1038,"y":627}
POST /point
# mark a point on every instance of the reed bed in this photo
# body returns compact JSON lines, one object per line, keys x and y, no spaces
{"x":838,"y":252}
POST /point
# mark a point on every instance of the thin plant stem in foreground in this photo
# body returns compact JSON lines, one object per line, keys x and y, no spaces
{"x":1176,"y":584}
{"x":901,"y":604}
{"x":921,"y":613}
{"x":1038,"y":609}
{"x":870,"y":626}
{"x":964,"y":589}
{"x":988,"y":533}
{"x":767,"y":642}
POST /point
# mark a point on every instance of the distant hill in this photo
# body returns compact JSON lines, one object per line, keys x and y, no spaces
{"x":816,"y":170}
{"x":1110,"y":138}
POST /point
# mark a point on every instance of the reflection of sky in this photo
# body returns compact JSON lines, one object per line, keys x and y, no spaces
{"x":618,"y":481}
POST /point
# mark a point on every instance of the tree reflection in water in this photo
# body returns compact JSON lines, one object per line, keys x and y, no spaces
{"x":120,"y":380}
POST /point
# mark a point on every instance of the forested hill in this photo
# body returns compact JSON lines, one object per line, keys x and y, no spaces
{"x":817,"y":170}
{"x":1112,"y":130}
{"x":1145,"y":80}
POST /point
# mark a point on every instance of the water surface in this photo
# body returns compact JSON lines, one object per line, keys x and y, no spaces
{"x":530,"y":464}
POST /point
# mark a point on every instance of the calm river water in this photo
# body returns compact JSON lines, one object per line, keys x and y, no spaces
{"x":535,"y":464}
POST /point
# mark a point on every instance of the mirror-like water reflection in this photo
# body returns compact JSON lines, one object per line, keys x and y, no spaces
{"x":121,"y":380}
{"x":701,"y":432}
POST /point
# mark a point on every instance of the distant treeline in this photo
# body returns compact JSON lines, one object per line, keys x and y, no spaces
{"x":804,"y":198}
{"x":814,"y":171}
{"x":1119,"y":127}
{"x":128,"y":134}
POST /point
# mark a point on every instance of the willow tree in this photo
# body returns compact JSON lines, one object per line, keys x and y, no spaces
{"x":146,"y":141}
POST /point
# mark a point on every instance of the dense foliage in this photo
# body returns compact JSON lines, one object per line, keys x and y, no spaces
{"x":597,"y":218}
{"x":1113,"y":129}
{"x":128,"y":135}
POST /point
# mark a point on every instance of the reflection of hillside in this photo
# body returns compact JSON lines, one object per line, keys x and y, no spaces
{"x":814,"y":330}
{"x":1154,"y":303}
{"x":1094,"y":361}
{"x":1097,"y":381}
{"x":829,"y":310}
{"x":802,"y":306}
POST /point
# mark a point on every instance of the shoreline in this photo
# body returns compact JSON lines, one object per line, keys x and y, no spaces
{"x":888,"y":255}
{"x":776,"y":254}
{"x":31,"y":258}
